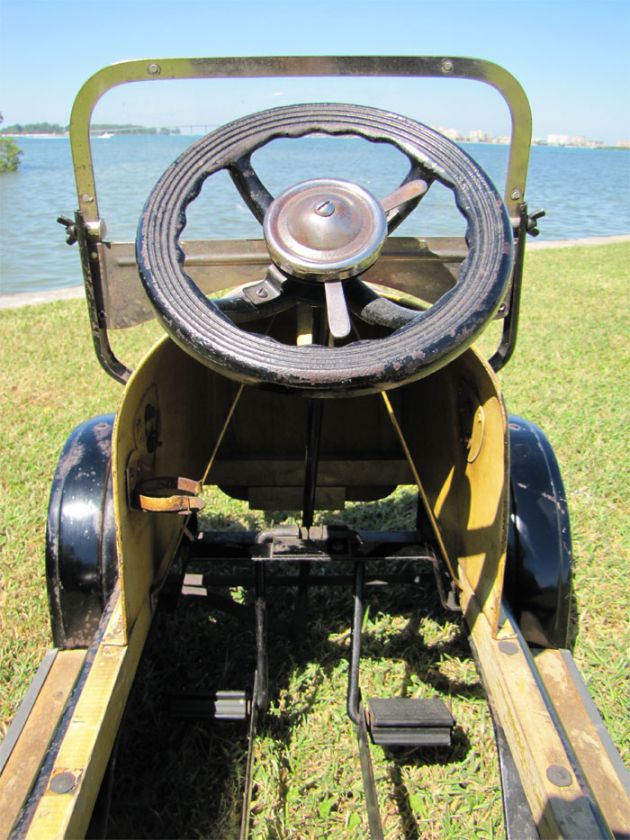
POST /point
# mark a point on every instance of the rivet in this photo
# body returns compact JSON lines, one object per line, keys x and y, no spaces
{"x":447,"y":66}
{"x":559,"y":776}
{"x":63,"y":782}
{"x":515,"y":194}
{"x":509,"y":648}
{"x":154,"y":69}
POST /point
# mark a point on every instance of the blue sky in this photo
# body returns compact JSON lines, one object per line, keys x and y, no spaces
{"x":572,"y":57}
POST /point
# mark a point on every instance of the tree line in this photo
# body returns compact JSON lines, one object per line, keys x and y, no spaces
{"x":55,"y":128}
{"x":9,"y":153}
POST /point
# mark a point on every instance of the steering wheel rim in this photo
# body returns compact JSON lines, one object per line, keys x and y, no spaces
{"x":424,"y":344}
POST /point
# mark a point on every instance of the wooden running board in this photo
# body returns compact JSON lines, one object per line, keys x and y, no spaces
{"x":600,"y":762}
{"x":543,"y":730}
{"x":35,"y":723}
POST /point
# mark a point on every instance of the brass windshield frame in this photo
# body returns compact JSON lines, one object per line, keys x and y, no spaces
{"x":90,"y":229}
{"x":153,"y":70}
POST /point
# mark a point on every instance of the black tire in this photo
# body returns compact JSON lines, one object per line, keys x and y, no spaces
{"x":81,"y":557}
{"x":538,"y":577}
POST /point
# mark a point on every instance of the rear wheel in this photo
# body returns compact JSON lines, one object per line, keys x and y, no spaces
{"x":81,"y":559}
{"x":538,"y":576}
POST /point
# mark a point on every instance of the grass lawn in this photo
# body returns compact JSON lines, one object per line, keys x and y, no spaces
{"x":570,"y":375}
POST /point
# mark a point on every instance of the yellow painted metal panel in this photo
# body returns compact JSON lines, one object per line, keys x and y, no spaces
{"x":456,"y":428}
{"x":166,"y":397}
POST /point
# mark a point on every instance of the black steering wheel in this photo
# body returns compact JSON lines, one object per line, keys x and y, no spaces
{"x":324,"y":234}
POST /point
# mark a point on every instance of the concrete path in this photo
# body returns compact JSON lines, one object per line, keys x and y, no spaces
{"x":32,"y":298}
{"x":538,"y":244}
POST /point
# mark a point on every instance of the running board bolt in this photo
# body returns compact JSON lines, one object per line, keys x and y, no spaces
{"x":64,"y":782}
{"x":559,"y":776}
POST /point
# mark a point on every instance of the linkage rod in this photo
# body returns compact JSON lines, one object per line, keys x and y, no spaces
{"x":356,"y":712}
{"x":313,"y":440}
{"x":249,"y":776}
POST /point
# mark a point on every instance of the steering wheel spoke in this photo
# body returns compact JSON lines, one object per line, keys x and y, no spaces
{"x":337,"y":310}
{"x":372,"y":308}
{"x":398,"y":211}
{"x":252,"y":190}
{"x":409,"y":191}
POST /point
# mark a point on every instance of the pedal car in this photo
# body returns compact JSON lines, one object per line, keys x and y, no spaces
{"x":328,"y":362}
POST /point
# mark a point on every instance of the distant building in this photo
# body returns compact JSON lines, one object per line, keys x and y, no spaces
{"x":558,"y":140}
{"x":579,"y":142}
{"x":451,"y":133}
{"x":479,"y":136}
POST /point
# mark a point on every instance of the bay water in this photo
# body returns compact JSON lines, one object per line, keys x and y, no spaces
{"x":585,"y":192}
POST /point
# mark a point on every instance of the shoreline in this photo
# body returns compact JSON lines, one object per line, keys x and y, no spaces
{"x":19,"y":299}
{"x":539,"y":245}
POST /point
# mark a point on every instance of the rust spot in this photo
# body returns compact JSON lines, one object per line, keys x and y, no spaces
{"x":70,"y":459}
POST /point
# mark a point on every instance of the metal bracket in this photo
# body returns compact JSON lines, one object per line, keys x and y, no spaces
{"x":168,"y":495}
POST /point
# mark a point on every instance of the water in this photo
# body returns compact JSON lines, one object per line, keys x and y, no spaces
{"x":585,"y":193}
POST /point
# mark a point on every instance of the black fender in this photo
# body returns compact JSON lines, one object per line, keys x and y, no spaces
{"x":538,"y":576}
{"x":81,"y":556}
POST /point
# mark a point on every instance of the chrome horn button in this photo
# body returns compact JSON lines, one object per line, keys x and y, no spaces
{"x":325,"y":229}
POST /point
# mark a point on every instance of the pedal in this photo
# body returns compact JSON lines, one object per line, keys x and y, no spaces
{"x":222,"y":706}
{"x":402,"y":722}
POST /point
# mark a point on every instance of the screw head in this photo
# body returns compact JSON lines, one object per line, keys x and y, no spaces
{"x":447,"y":66}
{"x":326,"y":208}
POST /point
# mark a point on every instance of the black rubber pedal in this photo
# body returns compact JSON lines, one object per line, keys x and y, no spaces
{"x":222,"y":706}
{"x":404,"y":722}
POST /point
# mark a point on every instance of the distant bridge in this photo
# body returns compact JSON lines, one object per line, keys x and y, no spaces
{"x":199,"y":128}
{"x":108,"y":131}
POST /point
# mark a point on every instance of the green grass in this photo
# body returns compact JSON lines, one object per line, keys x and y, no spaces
{"x":570,"y":374}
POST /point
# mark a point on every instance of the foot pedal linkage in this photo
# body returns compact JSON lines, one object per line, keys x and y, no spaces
{"x":396,"y":722}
